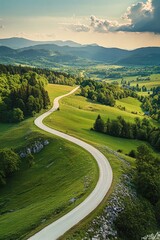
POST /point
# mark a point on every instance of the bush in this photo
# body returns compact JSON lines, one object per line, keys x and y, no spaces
{"x":9,"y":163}
{"x":147,"y":174}
{"x":132,"y":154}
{"x":136,"y":220}
{"x":120,"y":150}
{"x":17,"y":115}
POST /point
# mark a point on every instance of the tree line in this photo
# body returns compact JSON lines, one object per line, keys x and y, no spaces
{"x":103,"y":92}
{"x":140,"y":129}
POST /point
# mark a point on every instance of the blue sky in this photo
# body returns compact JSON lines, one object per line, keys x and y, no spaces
{"x":71,"y":20}
{"x":63,"y":8}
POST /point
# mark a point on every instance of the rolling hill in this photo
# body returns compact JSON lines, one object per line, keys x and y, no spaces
{"x":17,"y":43}
{"x":49,"y":55}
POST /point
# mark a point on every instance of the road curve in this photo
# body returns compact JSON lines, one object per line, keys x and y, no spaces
{"x":62,"y":225}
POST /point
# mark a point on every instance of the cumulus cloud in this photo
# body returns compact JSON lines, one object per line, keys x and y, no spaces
{"x":143,"y":17}
{"x":103,"y":26}
{"x":139,"y":17}
{"x":79,"y":27}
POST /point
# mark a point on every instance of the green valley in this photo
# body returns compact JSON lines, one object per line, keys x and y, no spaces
{"x":53,"y":181}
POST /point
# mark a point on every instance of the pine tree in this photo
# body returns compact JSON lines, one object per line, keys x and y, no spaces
{"x":99,"y":124}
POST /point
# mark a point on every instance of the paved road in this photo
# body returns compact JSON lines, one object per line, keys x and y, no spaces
{"x":62,"y":225}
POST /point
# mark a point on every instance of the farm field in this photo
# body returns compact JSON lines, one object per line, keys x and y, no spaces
{"x":154,"y":81}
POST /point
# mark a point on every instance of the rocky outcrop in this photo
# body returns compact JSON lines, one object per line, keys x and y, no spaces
{"x":34,"y":147}
{"x":152,"y":237}
{"x":102,"y":227}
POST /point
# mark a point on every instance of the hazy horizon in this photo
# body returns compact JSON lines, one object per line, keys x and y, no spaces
{"x":128,"y":25}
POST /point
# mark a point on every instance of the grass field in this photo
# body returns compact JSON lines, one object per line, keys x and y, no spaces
{"x":77,"y":115}
{"x":153,"y":82}
{"x":131,"y":105}
{"x":36,"y":196}
{"x":58,"y":90}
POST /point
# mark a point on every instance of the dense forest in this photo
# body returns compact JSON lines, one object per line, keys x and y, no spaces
{"x":141,"y":129}
{"x":52,"y":76}
{"x":22,"y":95}
{"x":104,"y":93}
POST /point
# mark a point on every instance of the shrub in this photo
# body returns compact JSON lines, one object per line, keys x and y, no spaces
{"x":9,"y":163}
{"x":136,"y":220}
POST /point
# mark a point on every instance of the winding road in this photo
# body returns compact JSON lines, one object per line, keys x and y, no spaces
{"x":62,"y":225}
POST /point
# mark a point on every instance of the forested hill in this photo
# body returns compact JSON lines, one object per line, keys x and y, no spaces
{"x":52,"y":76}
{"x":104,"y":93}
{"x":22,"y":90}
{"x":54,"y":55}
{"x":22,"y":95}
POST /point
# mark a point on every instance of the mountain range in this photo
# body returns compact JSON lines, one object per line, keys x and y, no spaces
{"x":17,"y":43}
{"x":60,"y":53}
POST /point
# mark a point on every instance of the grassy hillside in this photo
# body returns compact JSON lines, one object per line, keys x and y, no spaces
{"x":36,"y":196}
{"x":153,"y":82}
{"x":131,"y":105}
{"x":77,"y":115}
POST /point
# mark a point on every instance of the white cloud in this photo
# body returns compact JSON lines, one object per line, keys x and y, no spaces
{"x":79,"y":27}
{"x":103,"y":26}
{"x":139,"y":17}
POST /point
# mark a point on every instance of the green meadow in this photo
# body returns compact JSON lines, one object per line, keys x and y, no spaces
{"x":77,"y":116}
{"x":153,"y":82}
{"x":35,"y":196}
{"x":131,"y":105}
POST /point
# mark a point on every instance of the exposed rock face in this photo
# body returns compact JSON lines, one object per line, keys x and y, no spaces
{"x":102,"y":227}
{"x":152,"y":237}
{"x":35,"y":147}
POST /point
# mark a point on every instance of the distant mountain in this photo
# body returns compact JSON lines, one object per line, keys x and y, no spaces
{"x":142,"y":56}
{"x":17,"y":43}
{"x":51,"y":55}
{"x":5,"y":51}
{"x":92,"y":53}
{"x":65,"y":43}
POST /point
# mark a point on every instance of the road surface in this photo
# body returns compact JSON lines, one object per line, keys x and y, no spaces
{"x":62,"y":225}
